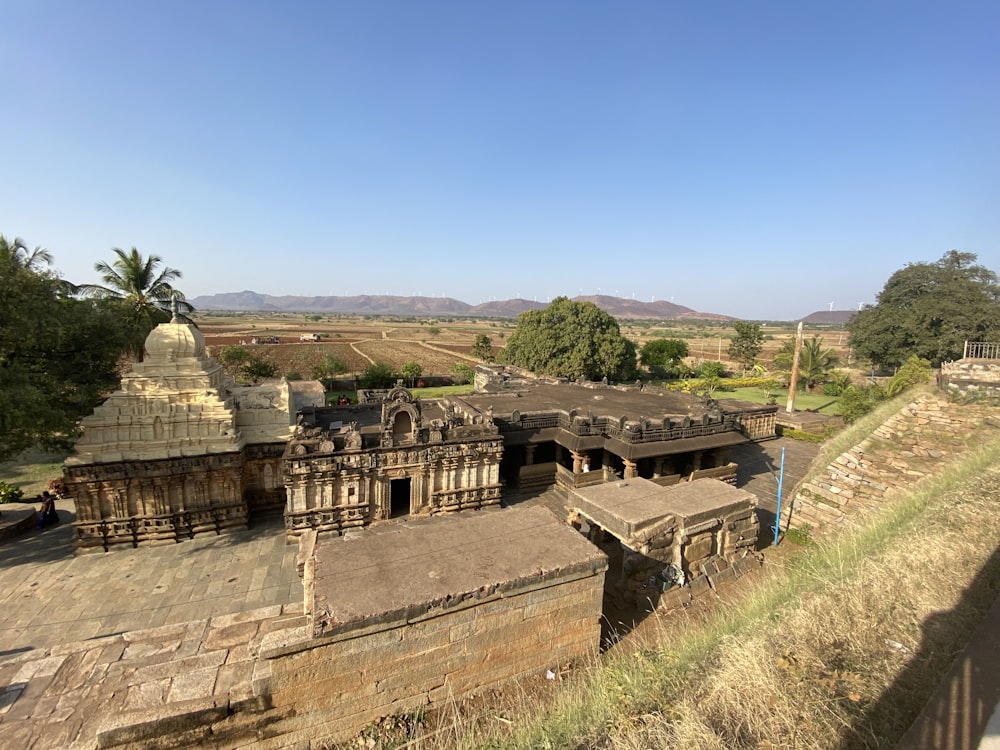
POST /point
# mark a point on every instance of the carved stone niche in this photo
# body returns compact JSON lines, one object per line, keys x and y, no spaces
{"x":401,"y":418}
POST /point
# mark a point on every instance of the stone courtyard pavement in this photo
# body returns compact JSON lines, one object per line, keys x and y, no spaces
{"x":49,"y":596}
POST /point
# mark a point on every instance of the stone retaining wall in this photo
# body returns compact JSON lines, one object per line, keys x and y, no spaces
{"x":971,"y":380}
{"x":902,"y":451}
{"x":332,"y":687}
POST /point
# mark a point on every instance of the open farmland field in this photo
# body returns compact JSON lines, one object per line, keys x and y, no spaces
{"x":396,"y":353}
{"x":436,"y":344}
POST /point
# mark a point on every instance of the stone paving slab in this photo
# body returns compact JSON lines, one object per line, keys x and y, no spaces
{"x":49,"y":596}
{"x":135,"y":686}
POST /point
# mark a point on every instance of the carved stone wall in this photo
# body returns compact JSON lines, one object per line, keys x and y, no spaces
{"x":342,"y":490}
{"x":146,"y":503}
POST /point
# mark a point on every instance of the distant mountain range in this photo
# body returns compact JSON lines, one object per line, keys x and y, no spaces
{"x":384,"y":304}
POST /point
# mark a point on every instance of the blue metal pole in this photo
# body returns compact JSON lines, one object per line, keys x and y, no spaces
{"x":781,"y":483}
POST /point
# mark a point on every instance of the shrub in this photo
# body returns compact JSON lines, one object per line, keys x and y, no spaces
{"x":462,"y":373}
{"x":800,"y":435}
{"x":801,"y":536}
{"x":9,"y":493}
{"x":913,"y":372}
{"x":712,"y":369}
{"x":377,"y":375}
{"x":858,"y":400}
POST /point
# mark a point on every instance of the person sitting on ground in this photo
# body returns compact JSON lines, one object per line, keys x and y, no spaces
{"x":47,"y":515}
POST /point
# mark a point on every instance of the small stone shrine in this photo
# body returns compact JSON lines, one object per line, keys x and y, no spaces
{"x":660,"y":537}
{"x":179,"y":450}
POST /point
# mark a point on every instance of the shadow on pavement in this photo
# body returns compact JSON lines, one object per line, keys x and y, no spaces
{"x":40,"y":545}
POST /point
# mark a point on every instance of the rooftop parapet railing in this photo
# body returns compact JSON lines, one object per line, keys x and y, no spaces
{"x":981,"y":350}
{"x":632,"y":432}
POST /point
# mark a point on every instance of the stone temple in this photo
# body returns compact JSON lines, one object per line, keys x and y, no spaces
{"x":181,"y":450}
{"x":419,"y":586}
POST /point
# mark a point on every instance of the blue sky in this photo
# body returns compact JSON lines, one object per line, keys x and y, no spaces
{"x":757,"y":159}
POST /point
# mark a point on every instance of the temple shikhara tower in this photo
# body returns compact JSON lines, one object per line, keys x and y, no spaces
{"x":179,"y":450}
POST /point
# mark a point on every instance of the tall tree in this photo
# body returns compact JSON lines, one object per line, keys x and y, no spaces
{"x":141,"y":283}
{"x":483,"y":348}
{"x":661,"y":354}
{"x":747,"y":344}
{"x":570,"y":339}
{"x":815,"y":360}
{"x":35,"y":260}
{"x":929,"y":310}
{"x":58,"y":354}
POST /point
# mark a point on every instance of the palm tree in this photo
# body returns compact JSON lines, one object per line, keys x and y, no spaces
{"x":815,"y":362}
{"x":140,"y":284}
{"x":17,"y":250}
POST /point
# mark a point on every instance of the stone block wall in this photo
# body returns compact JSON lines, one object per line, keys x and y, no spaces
{"x":971,"y":380}
{"x":899,"y":453}
{"x":337,"y":684}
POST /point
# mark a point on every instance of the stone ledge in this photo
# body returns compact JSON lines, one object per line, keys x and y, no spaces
{"x":164,"y":723}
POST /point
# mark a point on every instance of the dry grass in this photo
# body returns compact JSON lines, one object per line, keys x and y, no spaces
{"x":838,"y":647}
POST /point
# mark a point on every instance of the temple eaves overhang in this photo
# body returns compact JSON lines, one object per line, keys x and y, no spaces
{"x":631,"y":451}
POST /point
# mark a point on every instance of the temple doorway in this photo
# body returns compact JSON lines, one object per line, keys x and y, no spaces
{"x":399,"y":498}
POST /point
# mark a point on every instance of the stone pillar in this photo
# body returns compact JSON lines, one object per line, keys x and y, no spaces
{"x":658,"y":467}
{"x":529,"y":455}
{"x":696,"y":460}
{"x":577,"y":462}
{"x":631,"y":469}
{"x":721,"y":456}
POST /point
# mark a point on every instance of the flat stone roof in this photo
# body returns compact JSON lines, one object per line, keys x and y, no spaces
{"x":624,"y":507}
{"x":598,"y":399}
{"x":389,"y":572}
{"x":701,"y":499}
{"x":629,"y":507}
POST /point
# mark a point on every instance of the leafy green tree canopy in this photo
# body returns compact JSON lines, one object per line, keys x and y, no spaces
{"x":462,"y":373}
{"x":929,"y":310}
{"x":377,"y":375}
{"x":411,"y":371}
{"x":660,"y":354}
{"x":329,"y":367}
{"x":483,"y":348}
{"x":58,"y":355}
{"x":747,"y":344}
{"x":570,"y":339}
{"x":258,"y":369}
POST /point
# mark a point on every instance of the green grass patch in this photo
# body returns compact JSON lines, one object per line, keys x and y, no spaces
{"x":803,"y":401}
{"x":441,"y":391}
{"x":31,"y":471}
